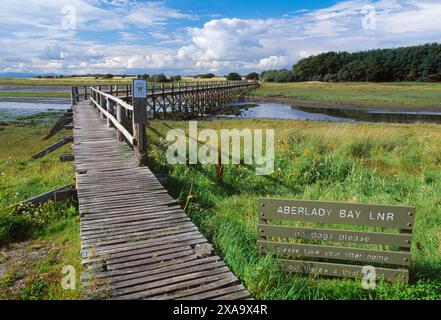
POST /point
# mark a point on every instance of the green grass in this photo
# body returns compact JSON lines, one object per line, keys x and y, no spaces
{"x":407,"y":95}
{"x":35,"y":94}
{"x":40,"y":278}
{"x":363,"y":163}
{"x":52,"y":228}
{"x":20,"y":176}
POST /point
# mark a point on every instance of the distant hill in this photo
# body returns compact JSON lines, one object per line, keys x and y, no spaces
{"x":17,"y":75}
{"x":418,"y":63}
{"x":28,"y":75}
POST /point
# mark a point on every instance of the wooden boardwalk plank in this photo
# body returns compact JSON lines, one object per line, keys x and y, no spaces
{"x":136,"y":240}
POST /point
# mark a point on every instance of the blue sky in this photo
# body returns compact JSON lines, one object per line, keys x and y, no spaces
{"x":245,"y":9}
{"x":189,"y":36}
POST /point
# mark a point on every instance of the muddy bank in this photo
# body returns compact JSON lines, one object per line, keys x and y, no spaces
{"x":36,"y":100}
{"x":356,"y":113}
{"x":322,"y":105}
{"x":25,"y":88}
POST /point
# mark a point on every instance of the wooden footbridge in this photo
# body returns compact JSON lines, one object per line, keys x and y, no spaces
{"x":137,"y":242}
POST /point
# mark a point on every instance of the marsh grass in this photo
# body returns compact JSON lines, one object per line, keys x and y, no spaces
{"x":363,"y":163}
{"x":411,"y":95}
{"x":20,"y":176}
{"x":51,"y":231}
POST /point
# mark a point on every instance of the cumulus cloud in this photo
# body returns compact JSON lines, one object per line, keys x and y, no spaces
{"x":263,"y":44}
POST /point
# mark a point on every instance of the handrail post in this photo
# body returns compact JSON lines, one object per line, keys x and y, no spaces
{"x":111,"y":110}
{"x":121,"y":117}
{"x":139,"y":120}
{"x":103,"y":105}
{"x":72,"y":96}
{"x":77,"y":94}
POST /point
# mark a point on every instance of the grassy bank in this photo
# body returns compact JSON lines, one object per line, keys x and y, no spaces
{"x":365,"y":163}
{"x":394,"y":95}
{"x":35,"y":243}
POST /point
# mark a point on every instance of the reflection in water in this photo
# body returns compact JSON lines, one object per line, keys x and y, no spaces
{"x":377,"y":115}
{"x":283,"y":111}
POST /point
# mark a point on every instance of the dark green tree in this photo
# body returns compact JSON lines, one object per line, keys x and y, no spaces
{"x":233,"y":76}
{"x":252,"y":76}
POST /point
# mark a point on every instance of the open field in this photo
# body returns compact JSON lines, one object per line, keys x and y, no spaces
{"x":404,"y":95}
{"x":363,"y":163}
{"x":32,"y":269}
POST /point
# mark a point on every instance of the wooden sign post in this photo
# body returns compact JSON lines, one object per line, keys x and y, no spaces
{"x":345,"y":251}
{"x":139,"y":119}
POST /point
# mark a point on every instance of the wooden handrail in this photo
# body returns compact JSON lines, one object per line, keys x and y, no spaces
{"x":119,"y":101}
{"x":114,"y":121}
{"x":115,"y":110}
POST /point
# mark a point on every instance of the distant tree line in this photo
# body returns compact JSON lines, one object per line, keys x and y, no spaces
{"x":205,"y":76}
{"x":160,"y":78}
{"x":50,"y":77}
{"x":234,"y":76}
{"x":419,"y":63}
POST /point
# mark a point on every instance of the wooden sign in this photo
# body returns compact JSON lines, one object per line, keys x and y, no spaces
{"x":139,"y":89}
{"x":334,"y":251}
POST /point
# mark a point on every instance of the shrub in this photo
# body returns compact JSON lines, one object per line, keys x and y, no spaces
{"x":175,"y":78}
{"x":233,"y":76}
{"x":280,"y":76}
{"x":205,"y":76}
{"x":159,"y":78}
{"x":26,"y":221}
{"x":252,"y":76}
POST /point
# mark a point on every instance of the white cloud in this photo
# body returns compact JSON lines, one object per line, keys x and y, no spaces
{"x":271,"y":43}
{"x":273,"y":62}
{"x":32,"y":38}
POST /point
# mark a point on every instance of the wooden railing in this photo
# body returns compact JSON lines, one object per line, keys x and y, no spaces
{"x":129,"y":119}
{"x":114,"y":110}
{"x":78,"y":92}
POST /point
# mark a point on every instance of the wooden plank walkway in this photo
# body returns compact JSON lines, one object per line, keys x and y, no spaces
{"x":137,"y":243}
